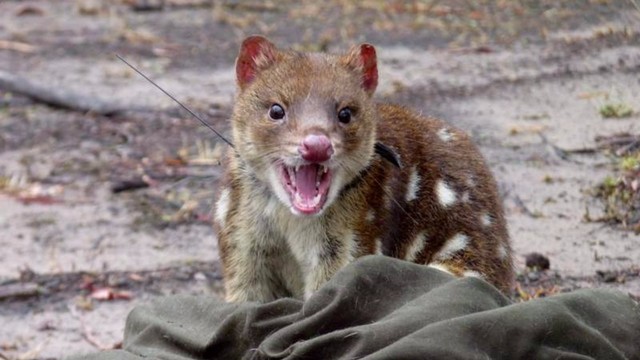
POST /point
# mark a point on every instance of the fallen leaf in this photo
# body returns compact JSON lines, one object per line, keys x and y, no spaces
{"x":17,"y":46}
{"x":136,"y":277}
{"x":30,"y":10}
{"x":476,"y":15}
{"x":84,"y":303}
{"x":108,"y":294}
{"x":38,"y":199}
{"x":591,"y":95}
{"x":174,"y":161}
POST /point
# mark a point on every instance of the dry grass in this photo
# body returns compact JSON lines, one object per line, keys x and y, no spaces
{"x":462,"y":22}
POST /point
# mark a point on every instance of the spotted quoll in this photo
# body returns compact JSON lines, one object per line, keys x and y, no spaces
{"x":321,"y":174}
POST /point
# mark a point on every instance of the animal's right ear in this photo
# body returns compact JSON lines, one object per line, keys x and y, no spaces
{"x":256,"y":54}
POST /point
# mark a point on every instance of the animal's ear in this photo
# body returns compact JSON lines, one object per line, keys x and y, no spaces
{"x":363,"y":59}
{"x":256,"y":54}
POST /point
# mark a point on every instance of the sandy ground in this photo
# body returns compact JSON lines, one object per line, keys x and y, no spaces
{"x":529,"y":106}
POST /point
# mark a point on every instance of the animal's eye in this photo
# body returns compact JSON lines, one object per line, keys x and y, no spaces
{"x":344,"y":115}
{"x":276,"y":112}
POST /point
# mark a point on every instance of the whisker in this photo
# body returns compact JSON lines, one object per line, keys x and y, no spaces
{"x":176,"y":100}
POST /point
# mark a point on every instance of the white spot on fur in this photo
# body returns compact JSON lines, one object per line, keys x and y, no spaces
{"x":445,"y":135}
{"x":441,"y":267}
{"x":414,"y":185}
{"x":371,"y":215}
{"x":465,"y":197}
{"x":472,"y":273}
{"x":486,"y":220}
{"x":352,"y":246}
{"x":471,"y":181}
{"x":416,"y":246}
{"x":502,"y":251}
{"x":222,"y":206}
{"x":378,"y":243}
{"x":457,"y":243}
{"x":446,"y":195}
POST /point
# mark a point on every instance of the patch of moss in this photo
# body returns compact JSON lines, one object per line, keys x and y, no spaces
{"x":620,"y":194}
{"x":615,"y":110}
{"x":41,"y":222}
{"x":629,"y":163}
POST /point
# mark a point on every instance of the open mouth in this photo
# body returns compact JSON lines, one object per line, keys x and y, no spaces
{"x":307,"y":186}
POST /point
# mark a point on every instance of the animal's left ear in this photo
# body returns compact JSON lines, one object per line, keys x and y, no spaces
{"x":363,"y":59}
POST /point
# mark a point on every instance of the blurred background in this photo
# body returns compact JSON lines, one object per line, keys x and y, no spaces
{"x":106,"y":186}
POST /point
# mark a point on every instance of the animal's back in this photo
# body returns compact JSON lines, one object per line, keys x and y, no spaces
{"x":440,"y":207}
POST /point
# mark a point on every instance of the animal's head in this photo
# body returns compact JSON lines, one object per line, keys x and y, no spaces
{"x":304,"y":123}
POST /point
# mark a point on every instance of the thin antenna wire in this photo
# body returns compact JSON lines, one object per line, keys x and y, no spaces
{"x":635,"y":4}
{"x":176,"y":100}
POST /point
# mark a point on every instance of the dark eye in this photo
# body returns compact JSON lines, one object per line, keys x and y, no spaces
{"x":276,"y":112}
{"x":344,"y":115}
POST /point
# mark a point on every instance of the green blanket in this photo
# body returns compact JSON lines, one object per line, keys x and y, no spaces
{"x":384,"y":308}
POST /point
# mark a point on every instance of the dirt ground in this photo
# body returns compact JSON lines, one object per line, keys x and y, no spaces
{"x":101,"y":210}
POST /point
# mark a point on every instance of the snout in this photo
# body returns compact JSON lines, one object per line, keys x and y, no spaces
{"x":316,"y":148}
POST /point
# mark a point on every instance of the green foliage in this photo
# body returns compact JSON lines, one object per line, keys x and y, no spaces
{"x":615,"y":110}
{"x":620,"y":194}
{"x":629,"y":163}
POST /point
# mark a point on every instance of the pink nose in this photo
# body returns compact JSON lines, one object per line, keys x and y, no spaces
{"x":316,"y":148}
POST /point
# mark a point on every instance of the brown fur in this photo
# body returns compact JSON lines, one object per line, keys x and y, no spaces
{"x":268,"y":252}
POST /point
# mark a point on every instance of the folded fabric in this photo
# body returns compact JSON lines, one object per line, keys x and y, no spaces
{"x":384,"y":308}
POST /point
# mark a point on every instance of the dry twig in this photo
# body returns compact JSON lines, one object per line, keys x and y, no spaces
{"x":17,"y":46}
{"x":19,"y":290}
{"x":87,"y":333}
{"x":62,"y":98}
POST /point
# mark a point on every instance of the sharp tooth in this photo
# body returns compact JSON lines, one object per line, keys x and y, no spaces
{"x":318,"y":175}
{"x":325,"y":169}
{"x":292,"y":176}
{"x":297,"y":167}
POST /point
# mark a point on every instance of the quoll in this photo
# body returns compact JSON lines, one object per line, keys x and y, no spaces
{"x":322,"y":174}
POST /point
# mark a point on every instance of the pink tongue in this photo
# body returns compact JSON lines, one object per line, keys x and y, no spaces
{"x":306,"y":181}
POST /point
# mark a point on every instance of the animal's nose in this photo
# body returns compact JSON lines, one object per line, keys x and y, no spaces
{"x":316,"y":148}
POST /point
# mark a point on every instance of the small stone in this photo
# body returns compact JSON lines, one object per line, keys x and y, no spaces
{"x":537,"y":261}
{"x":199,"y":276}
{"x":533,"y":276}
{"x":607,"y":276}
{"x":47,"y":325}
